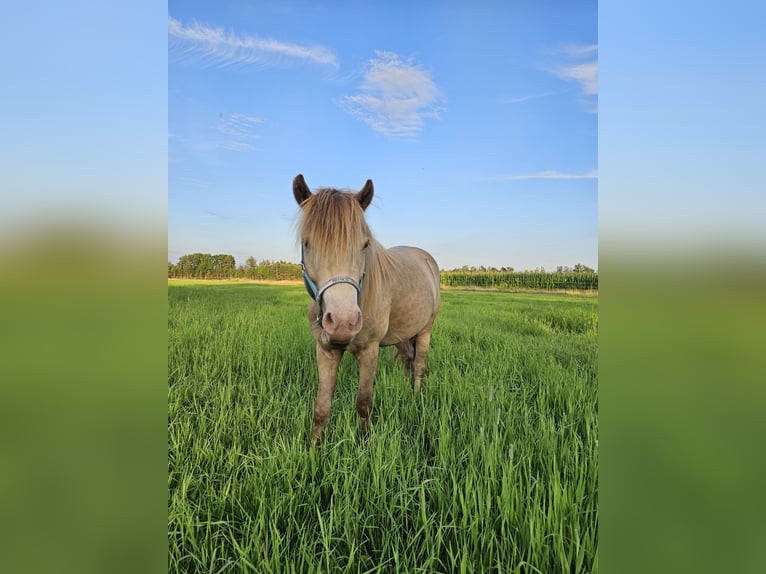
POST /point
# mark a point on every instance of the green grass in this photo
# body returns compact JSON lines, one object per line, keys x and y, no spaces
{"x":493,"y":468}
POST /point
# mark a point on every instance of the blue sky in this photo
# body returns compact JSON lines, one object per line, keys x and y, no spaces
{"x":477,"y":123}
{"x":681,"y":120}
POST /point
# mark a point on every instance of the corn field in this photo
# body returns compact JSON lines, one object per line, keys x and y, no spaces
{"x":521,"y":280}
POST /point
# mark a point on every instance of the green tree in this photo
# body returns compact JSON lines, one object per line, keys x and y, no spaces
{"x":580,"y":268}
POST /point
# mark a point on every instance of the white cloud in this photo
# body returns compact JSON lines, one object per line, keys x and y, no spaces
{"x":581,"y":50}
{"x":215,"y":47}
{"x":585,"y":74}
{"x":593,"y":174}
{"x":580,"y":65}
{"x":395,"y":97}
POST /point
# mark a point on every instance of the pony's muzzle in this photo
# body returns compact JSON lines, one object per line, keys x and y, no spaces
{"x":337,"y":309}
{"x":341,"y":325}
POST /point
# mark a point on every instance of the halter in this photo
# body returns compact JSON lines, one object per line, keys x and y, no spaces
{"x":316,"y":292}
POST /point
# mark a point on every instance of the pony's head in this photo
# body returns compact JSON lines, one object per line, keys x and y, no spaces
{"x":334,"y":242}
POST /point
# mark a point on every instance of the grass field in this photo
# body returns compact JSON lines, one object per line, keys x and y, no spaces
{"x":493,"y":468}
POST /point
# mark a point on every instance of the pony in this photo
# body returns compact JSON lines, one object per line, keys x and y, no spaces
{"x":363,"y":296}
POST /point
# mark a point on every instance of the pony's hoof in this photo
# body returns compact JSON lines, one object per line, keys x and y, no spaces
{"x":364,"y":430}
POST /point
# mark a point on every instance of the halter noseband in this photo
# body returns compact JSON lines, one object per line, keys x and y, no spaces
{"x":316,"y":292}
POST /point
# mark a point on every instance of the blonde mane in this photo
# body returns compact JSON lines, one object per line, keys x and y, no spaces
{"x":333,"y":223}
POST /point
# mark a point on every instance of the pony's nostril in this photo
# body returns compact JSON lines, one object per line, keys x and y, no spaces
{"x":328,"y":320}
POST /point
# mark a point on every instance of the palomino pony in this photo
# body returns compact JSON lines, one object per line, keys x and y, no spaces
{"x":363,"y":296}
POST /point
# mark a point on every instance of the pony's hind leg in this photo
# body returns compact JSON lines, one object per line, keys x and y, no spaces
{"x":422,"y":342}
{"x":406,"y":352}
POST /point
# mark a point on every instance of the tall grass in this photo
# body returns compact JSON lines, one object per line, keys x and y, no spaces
{"x":492,"y":468}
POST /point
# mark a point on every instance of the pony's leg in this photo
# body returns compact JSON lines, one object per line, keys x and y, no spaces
{"x":406,"y":352}
{"x":327,"y":363}
{"x":368,"y":362}
{"x":422,"y":343}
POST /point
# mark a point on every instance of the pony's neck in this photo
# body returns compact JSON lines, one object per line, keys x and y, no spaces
{"x":379,"y":269}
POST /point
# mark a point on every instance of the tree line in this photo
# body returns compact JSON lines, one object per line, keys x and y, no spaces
{"x":568,"y":281}
{"x":223,"y":266}
{"x":579,"y":268}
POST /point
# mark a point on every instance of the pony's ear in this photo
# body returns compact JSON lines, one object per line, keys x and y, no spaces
{"x":301,"y":191}
{"x":364,"y":197}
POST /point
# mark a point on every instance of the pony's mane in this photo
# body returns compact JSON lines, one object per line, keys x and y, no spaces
{"x":333,"y":223}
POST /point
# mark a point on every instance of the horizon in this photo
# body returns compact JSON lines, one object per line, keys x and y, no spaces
{"x":467,"y":268}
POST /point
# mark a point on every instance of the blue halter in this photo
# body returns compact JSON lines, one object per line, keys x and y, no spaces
{"x":316,"y":292}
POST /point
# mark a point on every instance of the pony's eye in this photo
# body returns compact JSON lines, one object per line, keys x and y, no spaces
{"x":366,"y":244}
{"x":306,"y":243}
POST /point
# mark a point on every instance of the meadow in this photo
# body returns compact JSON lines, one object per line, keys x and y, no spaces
{"x":492,"y":468}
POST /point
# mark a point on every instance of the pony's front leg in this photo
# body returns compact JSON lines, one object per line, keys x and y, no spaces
{"x":327,"y":363}
{"x":368,"y":363}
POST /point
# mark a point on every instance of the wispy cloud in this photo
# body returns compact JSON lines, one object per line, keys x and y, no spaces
{"x":581,"y":50}
{"x":593,"y":174}
{"x":395,"y":97}
{"x":524,"y":98}
{"x":215,"y":47}
{"x":233,"y":132}
{"x":585,"y":74}
{"x":238,"y":125}
{"x":239,"y":131}
{"x":579,"y":64}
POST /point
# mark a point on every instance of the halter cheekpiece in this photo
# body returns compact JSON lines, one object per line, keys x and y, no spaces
{"x":316,"y":292}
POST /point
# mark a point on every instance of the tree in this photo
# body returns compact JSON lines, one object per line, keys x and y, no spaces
{"x":222,"y":266}
{"x":580,"y":268}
